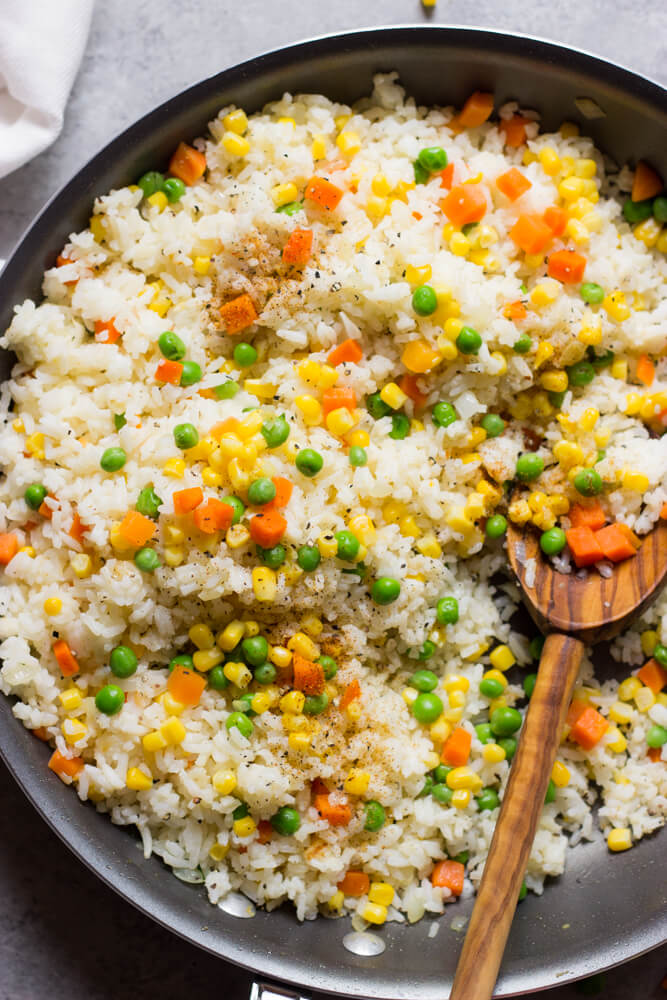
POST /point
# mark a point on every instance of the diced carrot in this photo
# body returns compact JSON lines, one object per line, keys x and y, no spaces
{"x":589,"y":728}
{"x":514,"y":130}
{"x":456,"y":749}
{"x":78,"y":529}
{"x":228,"y":426}
{"x":513,"y":183}
{"x":9,"y":546}
{"x":298,"y":248}
{"x":418,"y":216}
{"x":185,"y":685}
{"x":65,"y":767}
{"x":284,"y":490}
{"x":449,"y":875}
{"x":575,"y":709}
{"x":447,"y":177}
{"x":264,"y":831}
{"x":567,"y":266}
{"x":238,"y":314}
{"x":614,"y":543}
{"x":347,"y":352}
{"x":663,"y":512}
{"x":136,"y":528}
{"x":584,"y":546}
{"x":647,"y":183}
{"x":212,"y":516}
{"x":62,"y":261}
{"x":354,"y":884}
{"x":169,"y":371}
{"x":45,"y":510}
{"x":350,"y":694}
{"x":335,"y":813}
{"x":587,"y":515}
{"x":653,"y":675}
{"x":65,"y":658}
{"x":267,"y":529}
{"x":531,"y":233}
{"x":476,"y":110}
{"x":408,"y":385}
{"x":515,"y":311}
{"x":337,"y":398}
{"x":187,"y":163}
{"x":645,"y":370}
{"x":634,"y":540}
{"x":186,"y":500}
{"x":556,"y":219}
{"x":465,"y":203}
{"x":323,"y":193}
{"x":308,"y":676}
{"x":106,"y":332}
{"x":41,"y":733}
{"x":655,"y":754}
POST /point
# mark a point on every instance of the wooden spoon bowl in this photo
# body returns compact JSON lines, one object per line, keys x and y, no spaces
{"x":571,"y":609}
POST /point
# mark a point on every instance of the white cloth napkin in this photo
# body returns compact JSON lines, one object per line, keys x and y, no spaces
{"x":41,"y":45}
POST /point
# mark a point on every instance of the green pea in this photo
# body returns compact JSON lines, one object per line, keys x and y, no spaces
{"x":119,"y":421}
{"x":442,"y":794}
{"x":291,"y":208}
{"x":580,"y":374}
{"x":348,"y":546}
{"x":552,"y":541}
{"x":385,"y":590}
{"x":529,"y":683}
{"x":329,"y":666}
{"x":147,"y":560}
{"x":505,"y":721}
{"x":261,"y":491}
{"x":35,"y":495}
{"x":174,"y":188}
{"x":551,"y":792}
{"x":637,"y":211}
{"x":440,"y":773}
{"x":110,"y":699}
{"x":433,"y":158}
{"x":423,"y":680}
{"x":216,"y":678}
{"x":427,"y":787}
{"x":240,"y":812}
{"x":357,"y":456}
{"x":377,"y":407}
{"x":185,"y":436}
{"x":273,"y":557}
{"x":493,"y":424}
{"x":424,"y":300}
{"x":227,"y":390}
{"x":171,"y":346}
{"x":556,"y":399}
{"x":426,"y":707}
{"x":122,"y":661}
{"x":462,"y":858}
{"x":421,"y":173}
{"x":148,"y":502}
{"x":484,"y":733}
{"x":656,"y":736}
{"x":660,"y":654}
{"x":255,"y":650}
{"x":427,"y":650}
{"x":529,"y":466}
{"x":113,"y":459}
{"x":444,"y":414}
{"x":487,"y":799}
{"x":447,"y":611}
{"x":191,"y":373}
{"x":536,"y":646}
{"x":400,"y":426}
{"x":308,"y":558}
{"x":286,"y":821}
{"x":496,"y":526}
{"x":468,"y":227}
{"x":375,"y":816}
{"x":315,"y":704}
{"x":275,"y":431}
{"x":599,"y":360}
{"x":245,"y":355}
{"x":660,"y":208}
{"x":238,"y":505}
{"x":592,"y":293}
{"x":523,"y":344}
{"x":241,"y":722}
{"x":468,"y":341}
{"x":491,"y":688}
{"x":508,"y":743}
{"x":601,"y":455}
{"x":151,"y":182}
{"x":523,"y":892}
{"x":182,"y":660}
{"x":309,"y":462}
{"x":588,"y":482}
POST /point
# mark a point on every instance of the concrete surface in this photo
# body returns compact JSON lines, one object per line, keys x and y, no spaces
{"x":62,"y":934}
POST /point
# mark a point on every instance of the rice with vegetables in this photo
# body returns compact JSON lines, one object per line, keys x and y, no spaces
{"x":260,"y":448}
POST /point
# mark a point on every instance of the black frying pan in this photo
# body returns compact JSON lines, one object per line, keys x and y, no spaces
{"x":603,"y":910}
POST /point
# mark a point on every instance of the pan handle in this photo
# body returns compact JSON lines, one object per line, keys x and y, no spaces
{"x":267,"y":991}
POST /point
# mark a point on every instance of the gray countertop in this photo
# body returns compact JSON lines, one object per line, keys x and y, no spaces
{"x":62,"y":933}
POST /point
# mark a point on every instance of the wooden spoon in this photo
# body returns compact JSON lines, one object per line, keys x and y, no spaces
{"x":573,"y":611}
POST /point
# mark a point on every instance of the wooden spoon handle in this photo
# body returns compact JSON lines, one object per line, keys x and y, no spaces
{"x":505,"y":866}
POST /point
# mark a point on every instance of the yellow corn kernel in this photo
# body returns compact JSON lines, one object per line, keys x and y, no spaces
{"x":173,"y":730}
{"x":244,"y":827}
{"x":577,"y":231}
{"x":363,"y":529}
{"x":571,"y":188}
{"x":174,"y":555}
{"x":619,"y":839}
{"x":376,"y":208}
{"x":34,"y":446}
{"x":429,"y":546}
{"x":283,"y":194}
{"x":645,"y":699}
{"x":459,"y":245}
{"x":327,"y":545}
{"x":393,"y":511}
{"x":621,"y":712}
{"x":137,"y":780}
{"x":500,"y":702}
{"x":96,"y":226}
{"x":237,"y":673}
{"x":357,"y":782}
{"x":635,"y":481}
{"x":568,"y":454}
{"x":601,"y":438}
{"x":158,"y":200}
{"x":478,"y":257}
{"x":661,"y":245}
{"x":461,"y":798}
{"x":303,"y":645}
{"x":647,"y":232}
{"x":18,"y":425}
{"x":236,"y":121}
{"x":495,"y":675}
{"x":201,"y":636}
{"x":457,"y":699}
{"x":543,"y":353}
{"x":261,"y":702}
{"x":475,"y":506}
{"x":418,"y":275}
{"x":585,"y":168}
{"x":463,"y":777}
{"x":153,"y":742}
{"x":53,"y":606}
{"x":544,"y":294}
{"x":381,"y":893}
{"x":224,"y":782}
{"x":519,"y":512}
{"x":238,"y":476}
{"x":318,"y":148}
{"x":219,"y":851}
{"x":528,"y":157}
{"x":534,"y":260}
{"x":235,"y":144}
{"x":502,"y":658}
{"x":299,"y":741}
{"x":206,"y":659}
{"x":353,"y":711}
{"x":619,"y":369}
{"x":381,"y":187}
{"x":440,"y":730}
{"x":409,"y":527}
{"x":262,"y":390}
{"x":340,"y":421}
{"x":280,"y":656}
{"x":456,"y":682}
{"x":457,"y":521}
{"x":312,"y":625}
{"x":250,"y":425}
{"x":174,"y":467}
{"x":169,"y":703}
{"x":349,"y":143}
{"x":201,"y":265}
{"x":264,"y":583}
{"x":311,"y":410}
{"x":81,"y":563}
{"x":446,"y":348}
{"x":648,"y":640}
{"x":492,"y":753}
{"x":560,"y":775}
{"x":173,"y":535}
{"x":554,"y":381}
{"x":292,"y":702}
{"x":358,"y":439}
{"x":616,"y":307}
{"x":616,"y":741}
{"x":393,"y":396}
{"x":549,"y":160}
{"x":231,"y":635}
{"x":589,"y":418}
{"x":374,"y":913}
{"x":336,"y":901}
{"x":210,"y":477}
{"x":70,"y":699}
